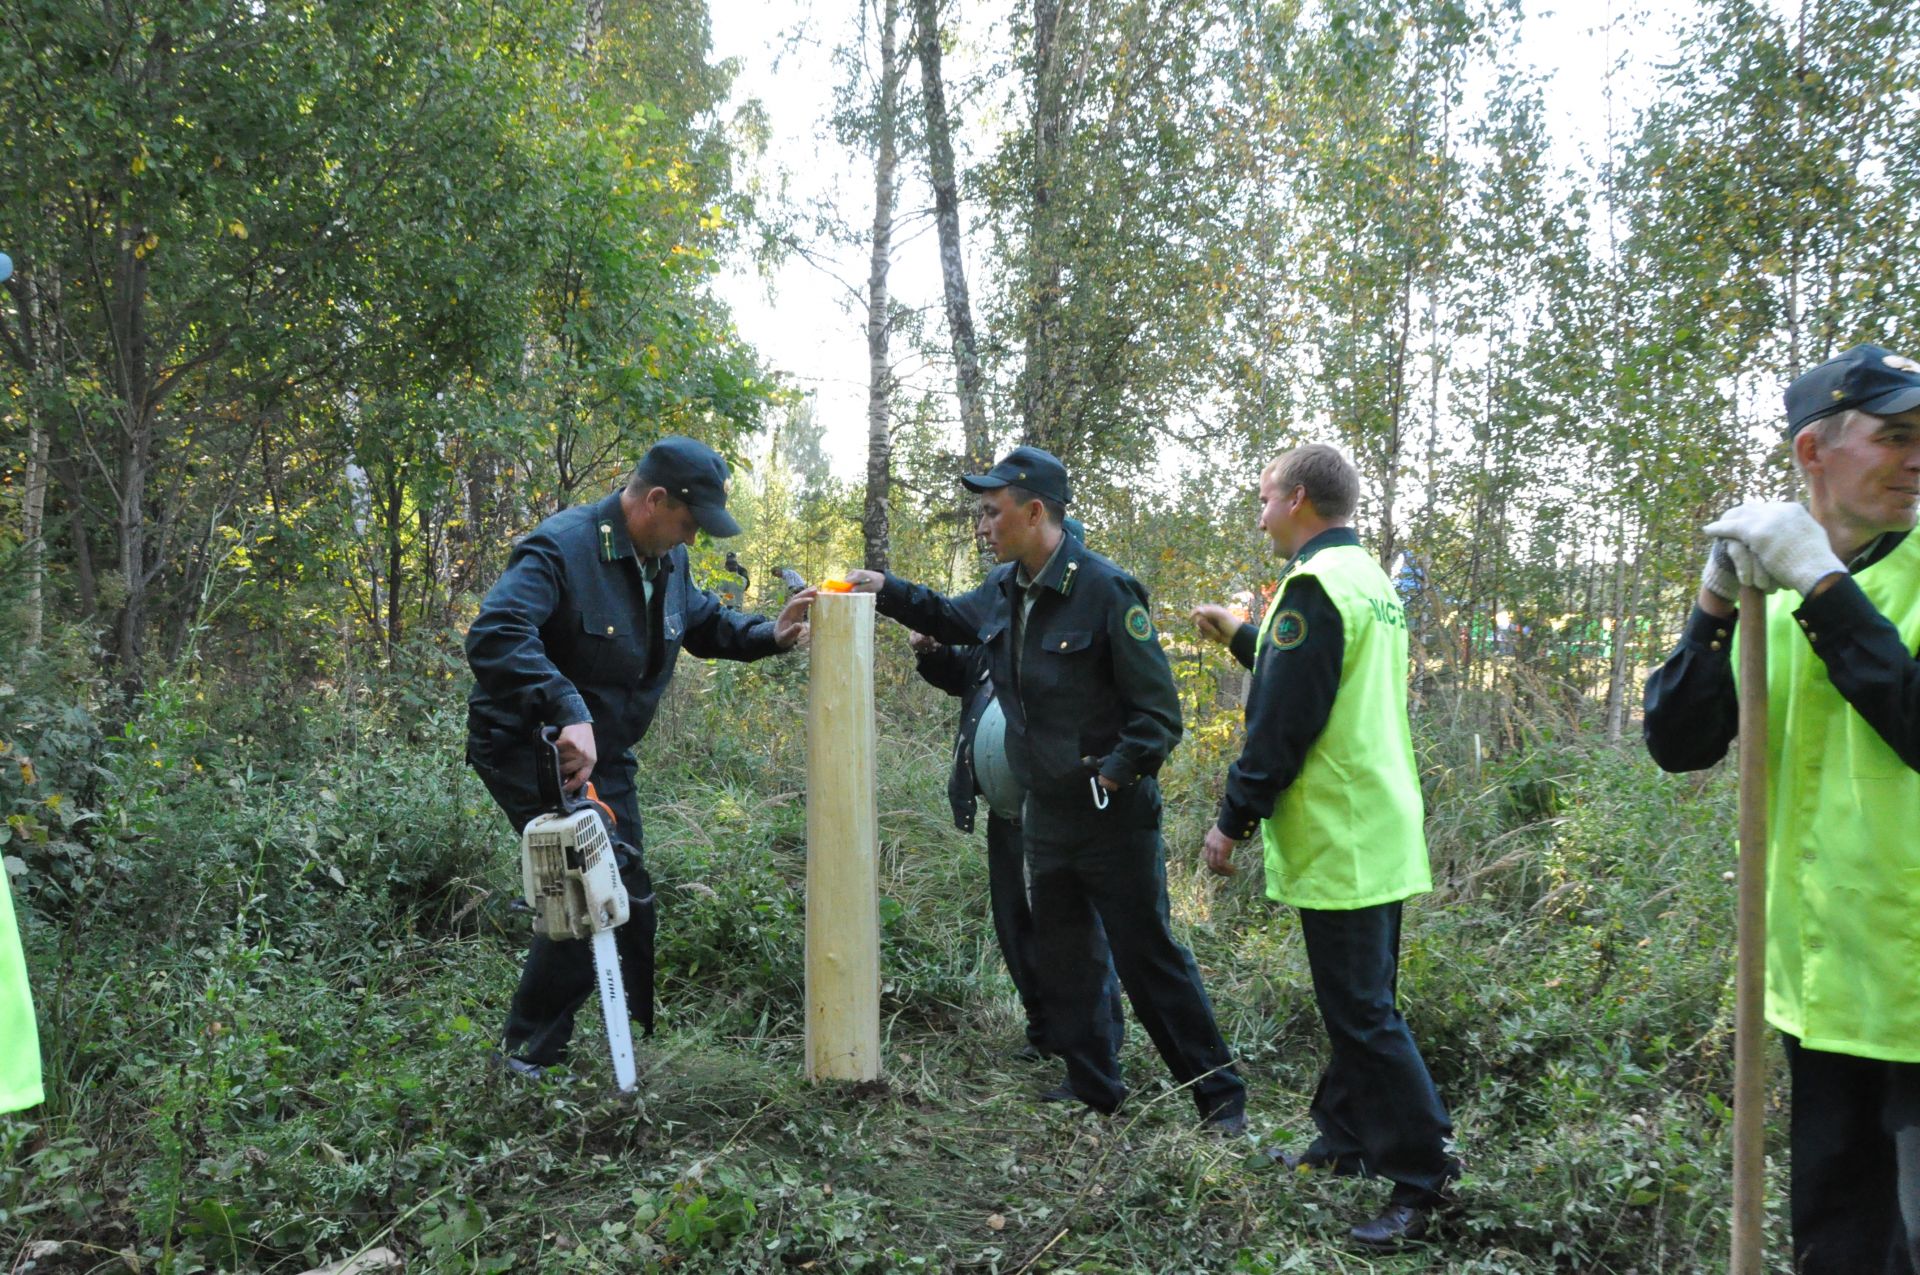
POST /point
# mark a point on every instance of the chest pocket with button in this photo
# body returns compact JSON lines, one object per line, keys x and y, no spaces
{"x":607,"y":646}
{"x":673,"y":620}
{"x":673,"y":610}
{"x":1068,"y":642}
{"x":1066,"y":667}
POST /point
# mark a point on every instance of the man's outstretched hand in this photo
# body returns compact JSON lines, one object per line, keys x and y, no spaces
{"x":1215,"y":622}
{"x":790,"y":627}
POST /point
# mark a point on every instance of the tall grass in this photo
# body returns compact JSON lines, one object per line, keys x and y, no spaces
{"x":271,"y":949}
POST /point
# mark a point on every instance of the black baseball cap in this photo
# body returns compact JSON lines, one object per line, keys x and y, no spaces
{"x":694,"y":474}
{"x":1866,"y":378}
{"x":1039,"y":472}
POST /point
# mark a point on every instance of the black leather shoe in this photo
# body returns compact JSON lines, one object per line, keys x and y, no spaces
{"x":519,"y":1068}
{"x":1397,"y":1224}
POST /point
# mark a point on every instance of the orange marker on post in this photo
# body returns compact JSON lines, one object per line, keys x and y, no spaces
{"x":837,"y":586}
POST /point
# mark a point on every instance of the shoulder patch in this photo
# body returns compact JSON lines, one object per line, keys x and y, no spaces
{"x":1289,"y":629}
{"x":1139,"y":623}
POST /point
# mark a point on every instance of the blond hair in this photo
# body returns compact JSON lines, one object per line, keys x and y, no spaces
{"x":1329,"y":478}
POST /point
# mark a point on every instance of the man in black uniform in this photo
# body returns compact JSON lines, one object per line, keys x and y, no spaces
{"x":1091,"y":714}
{"x":581,"y":632}
{"x":980,"y":770}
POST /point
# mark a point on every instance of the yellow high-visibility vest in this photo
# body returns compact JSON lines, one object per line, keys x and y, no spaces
{"x":1843,"y":842}
{"x":1349,"y":832}
{"x":19,"y":1038}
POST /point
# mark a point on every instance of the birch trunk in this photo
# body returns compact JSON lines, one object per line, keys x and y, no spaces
{"x":1626,"y":605}
{"x":874,"y":529}
{"x":33,"y":516}
{"x":34,"y":350}
{"x":946,"y":217}
{"x":1038,"y":402}
{"x":135,"y":448}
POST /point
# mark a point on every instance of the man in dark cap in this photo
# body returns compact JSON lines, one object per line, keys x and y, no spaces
{"x":581,"y":632}
{"x":982,"y":776}
{"x":733,"y":591}
{"x":1091,"y":713}
{"x":1843,"y":863}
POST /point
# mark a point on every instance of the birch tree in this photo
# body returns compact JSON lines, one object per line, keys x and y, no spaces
{"x":968,"y":384}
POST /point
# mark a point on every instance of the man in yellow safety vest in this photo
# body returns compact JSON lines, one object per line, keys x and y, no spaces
{"x":1327,"y":776}
{"x":1843,"y":802}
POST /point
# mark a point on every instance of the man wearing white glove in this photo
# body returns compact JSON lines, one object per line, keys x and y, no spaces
{"x":1843,"y":860}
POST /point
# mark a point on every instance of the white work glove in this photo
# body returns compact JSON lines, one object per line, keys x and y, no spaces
{"x":1729,"y":565}
{"x":1784,"y":541}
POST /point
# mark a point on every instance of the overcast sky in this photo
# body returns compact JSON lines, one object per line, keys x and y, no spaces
{"x":807,"y":324}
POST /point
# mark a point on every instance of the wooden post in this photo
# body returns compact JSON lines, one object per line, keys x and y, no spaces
{"x":843,"y":845}
{"x":1750,"y":959}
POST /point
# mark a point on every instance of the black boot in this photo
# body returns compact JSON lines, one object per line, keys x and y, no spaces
{"x":1397,"y":1224}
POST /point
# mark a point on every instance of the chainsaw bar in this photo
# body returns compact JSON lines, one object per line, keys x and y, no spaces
{"x":570,"y":870}
{"x":613,"y":1008}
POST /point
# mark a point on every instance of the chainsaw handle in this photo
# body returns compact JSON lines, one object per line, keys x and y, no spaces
{"x":553,"y":784}
{"x":546,"y":768}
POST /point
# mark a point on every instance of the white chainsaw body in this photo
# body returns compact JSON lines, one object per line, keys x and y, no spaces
{"x":573,"y":885}
{"x":571,"y":880}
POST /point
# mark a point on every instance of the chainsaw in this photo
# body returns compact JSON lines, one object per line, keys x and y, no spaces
{"x":570,"y":867}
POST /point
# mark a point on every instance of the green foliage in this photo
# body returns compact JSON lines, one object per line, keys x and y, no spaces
{"x":391,"y":285}
{"x":41,"y":788}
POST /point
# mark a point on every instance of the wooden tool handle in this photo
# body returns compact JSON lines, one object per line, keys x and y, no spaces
{"x":1750,"y":961}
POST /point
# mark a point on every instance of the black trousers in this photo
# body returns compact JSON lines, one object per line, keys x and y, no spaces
{"x":1376,"y":1107}
{"x":558,"y":975}
{"x":1095,"y":868}
{"x":1854,"y":1135}
{"x":1013,"y":927}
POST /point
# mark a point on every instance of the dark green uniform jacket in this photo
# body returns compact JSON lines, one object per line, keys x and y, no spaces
{"x":566,"y":635}
{"x":1091,"y":691}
